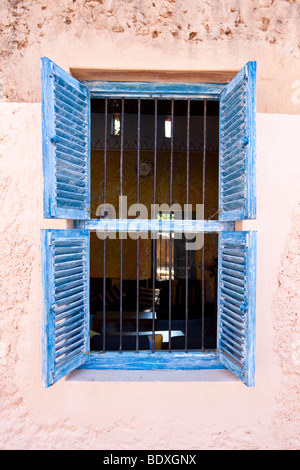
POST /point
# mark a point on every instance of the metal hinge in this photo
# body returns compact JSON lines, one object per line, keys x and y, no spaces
{"x":49,"y":239}
{"x":52,"y":209}
{"x":54,"y":139}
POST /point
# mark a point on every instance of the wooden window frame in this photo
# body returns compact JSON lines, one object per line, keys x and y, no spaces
{"x":160,"y":360}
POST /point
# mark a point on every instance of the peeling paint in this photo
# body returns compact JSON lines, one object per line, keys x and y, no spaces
{"x":171,"y":34}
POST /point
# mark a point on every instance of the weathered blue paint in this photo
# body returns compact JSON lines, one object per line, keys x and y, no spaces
{"x":155,"y":225}
{"x":160,"y":360}
{"x":196,"y":91}
{"x":237,"y":147}
{"x":66,"y":144}
{"x":65,"y":278}
{"x":236,"y":303}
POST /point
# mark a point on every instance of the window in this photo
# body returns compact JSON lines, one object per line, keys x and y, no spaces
{"x":66,"y":254}
{"x":115,"y":124}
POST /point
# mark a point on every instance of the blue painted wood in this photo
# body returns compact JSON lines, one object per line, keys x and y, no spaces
{"x":197,"y":91}
{"x":160,"y":360}
{"x":66,"y":143}
{"x":237,"y":143}
{"x":66,"y":146}
{"x":65,"y":278}
{"x":155,"y":225}
{"x":236,"y":303}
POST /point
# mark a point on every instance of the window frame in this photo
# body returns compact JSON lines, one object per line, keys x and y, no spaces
{"x":161,"y":360}
{"x":146,"y":360}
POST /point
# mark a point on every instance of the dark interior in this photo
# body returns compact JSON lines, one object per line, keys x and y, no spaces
{"x":181,"y":319}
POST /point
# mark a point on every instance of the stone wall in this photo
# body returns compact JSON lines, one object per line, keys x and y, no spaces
{"x":201,"y":410}
{"x":134,"y":410}
{"x":159,"y":35}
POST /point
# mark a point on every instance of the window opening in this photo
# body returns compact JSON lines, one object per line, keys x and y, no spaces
{"x":141,"y":297}
{"x":168,"y":165}
{"x":115,"y":124}
{"x":168,"y":127}
{"x":186,"y":331}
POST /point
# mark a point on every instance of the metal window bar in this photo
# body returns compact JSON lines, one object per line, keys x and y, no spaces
{"x":170,"y":239}
{"x":203,"y":202}
{"x":104,"y":240}
{"x":138,"y":238}
{"x":168,"y":251}
{"x":121,"y":216}
{"x":187,"y":201}
{"x":154,"y":244}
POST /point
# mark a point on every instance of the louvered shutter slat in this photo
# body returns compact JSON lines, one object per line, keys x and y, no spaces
{"x":238,"y":147}
{"x":236,"y":302}
{"x":65,"y":268}
{"x":65,"y":160}
{"x":66,"y":144}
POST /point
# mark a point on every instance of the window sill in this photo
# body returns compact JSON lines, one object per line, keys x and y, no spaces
{"x":146,"y":360}
{"x":148,"y":367}
{"x":158,"y":376}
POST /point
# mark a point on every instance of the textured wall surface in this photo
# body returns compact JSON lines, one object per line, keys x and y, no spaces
{"x":158,"y":34}
{"x":199,"y":410}
{"x":203,"y":410}
{"x":286,"y":307}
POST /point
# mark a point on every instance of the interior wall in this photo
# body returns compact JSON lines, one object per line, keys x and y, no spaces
{"x":129,"y":182}
{"x":146,"y":198}
{"x":163,"y":144}
{"x":162,"y":180}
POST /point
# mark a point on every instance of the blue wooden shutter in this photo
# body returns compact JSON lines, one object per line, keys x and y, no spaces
{"x":237,"y":184}
{"x":65,"y":276}
{"x":66,"y":144}
{"x":236,"y":303}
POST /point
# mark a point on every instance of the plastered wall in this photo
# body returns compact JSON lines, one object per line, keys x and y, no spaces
{"x":201,"y":410}
{"x":179,"y":35}
{"x":163,"y":410}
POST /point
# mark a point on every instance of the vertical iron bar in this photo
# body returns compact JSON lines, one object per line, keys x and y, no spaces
{"x":165,"y":254}
{"x":161,"y":250}
{"x":153,"y":239}
{"x":120,"y":234}
{"x":187,"y":202}
{"x":138,"y":238}
{"x":104,"y":239}
{"x":203,"y":202}
{"x":160,"y":255}
{"x":170,"y":237}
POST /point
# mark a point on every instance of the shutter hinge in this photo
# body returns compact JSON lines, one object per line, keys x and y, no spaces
{"x":52,"y":209}
{"x":55,"y":139}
